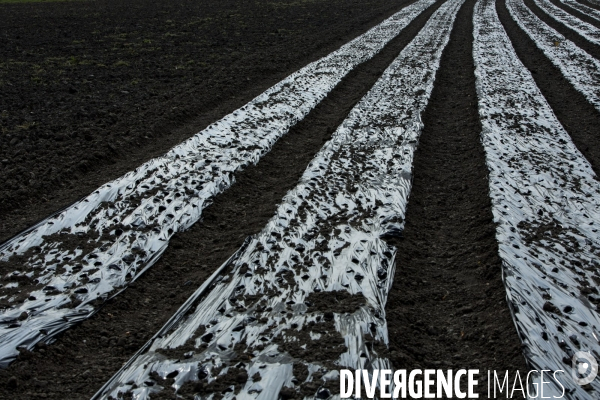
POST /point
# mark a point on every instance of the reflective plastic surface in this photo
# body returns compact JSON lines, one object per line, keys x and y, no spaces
{"x":100,"y":244}
{"x":546,"y":203}
{"x":578,"y":67}
{"x":307,"y":295}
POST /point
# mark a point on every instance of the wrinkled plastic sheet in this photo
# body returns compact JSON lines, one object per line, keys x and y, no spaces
{"x":122,"y":228}
{"x":546,"y":204}
{"x":326,"y":238}
{"x":585,"y":30}
{"x":577,"y":66}
{"x":589,"y":11}
{"x":596,"y":2}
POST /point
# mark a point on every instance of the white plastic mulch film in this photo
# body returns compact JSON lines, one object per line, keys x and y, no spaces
{"x":100,"y":244}
{"x":583,"y":8}
{"x":307,"y":295}
{"x":546,"y":204}
{"x":596,"y":2}
{"x":578,"y":67}
{"x":588,"y":31}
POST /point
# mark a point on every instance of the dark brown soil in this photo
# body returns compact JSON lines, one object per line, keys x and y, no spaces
{"x":447,"y":308}
{"x":575,"y":113}
{"x":86,"y":356}
{"x":335,"y":302}
{"x":568,"y":33}
{"x":576,"y":13}
{"x":92,"y":89}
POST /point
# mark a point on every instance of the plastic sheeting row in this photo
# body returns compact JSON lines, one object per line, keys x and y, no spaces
{"x":307,"y":295}
{"x":583,"y":8}
{"x":546,"y":204}
{"x":596,"y":2}
{"x":108,"y":239}
{"x":577,"y":66}
{"x":589,"y":32}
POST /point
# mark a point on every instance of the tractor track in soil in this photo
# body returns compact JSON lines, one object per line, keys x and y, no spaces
{"x":579,"y":118}
{"x":568,"y":33}
{"x":447,"y":308}
{"x":86,"y":356}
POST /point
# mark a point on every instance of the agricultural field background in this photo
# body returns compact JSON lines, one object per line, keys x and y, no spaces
{"x":227,"y":199}
{"x":91,"y":89}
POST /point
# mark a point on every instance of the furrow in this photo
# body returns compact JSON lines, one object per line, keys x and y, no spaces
{"x":447,"y":307}
{"x":125,"y":322}
{"x":546,"y":204}
{"x":307,"y":294}
{"x":578,"y":67}
{"x":589,"y":32}
{"x":591,"y":3}
{"x":60,"y":268}
{"x":578,"y":116}
{"x":569,"y":32}
{"x":584,"y":10}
